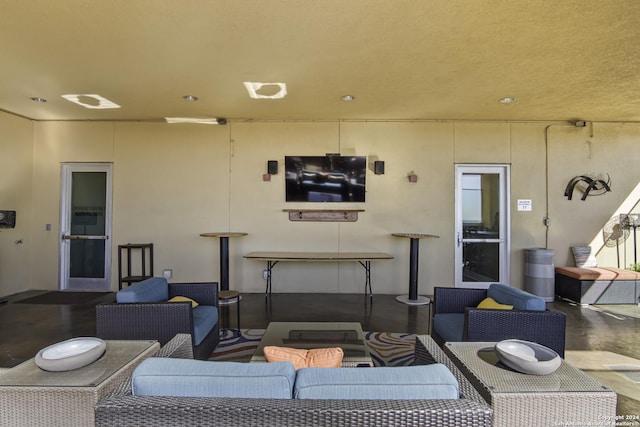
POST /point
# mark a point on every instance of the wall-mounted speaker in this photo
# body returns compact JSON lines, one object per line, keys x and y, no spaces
{"x":378,"y":167}
{"x":272,"y":167}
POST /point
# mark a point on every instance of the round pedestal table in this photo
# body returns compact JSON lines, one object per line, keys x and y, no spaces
{"x":224,"y":257}
{"x":413,"y":298}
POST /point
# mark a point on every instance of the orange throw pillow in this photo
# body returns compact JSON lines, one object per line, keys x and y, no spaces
{"x":314,"y":358}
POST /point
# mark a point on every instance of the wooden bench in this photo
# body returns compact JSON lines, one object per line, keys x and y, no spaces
{"x":597,"y":285}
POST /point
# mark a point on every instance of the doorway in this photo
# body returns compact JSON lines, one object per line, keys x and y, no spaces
{"x":85,"y":224}
{"x":482,"y":225}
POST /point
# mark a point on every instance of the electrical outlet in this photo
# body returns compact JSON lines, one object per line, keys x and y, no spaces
{"x":167,"y":273}
{"x":265,"y":274}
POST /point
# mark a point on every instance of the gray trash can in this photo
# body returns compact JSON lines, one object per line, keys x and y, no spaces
{"x":539,"y":273}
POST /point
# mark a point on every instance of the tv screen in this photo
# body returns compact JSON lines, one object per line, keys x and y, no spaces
{"x":325,"y":178}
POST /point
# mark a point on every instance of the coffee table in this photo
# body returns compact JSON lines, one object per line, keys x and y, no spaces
{"x":307,"y":335}
{"x":31,"y":396}
{"x":566,"y":397}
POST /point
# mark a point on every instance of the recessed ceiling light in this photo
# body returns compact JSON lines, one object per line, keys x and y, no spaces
{"x":38,"y":100}
{"x":347,"y":98}
{"x":508,"y":100}
{"x":202,"y":121}
{"x":190,"y":98}
{"x":91,"y":101}
{"x":259,"y":90}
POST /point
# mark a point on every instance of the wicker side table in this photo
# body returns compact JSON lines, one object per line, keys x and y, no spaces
{"x":30,"y":396}
{"x":565,"y":397}
{"x":226,"y":299}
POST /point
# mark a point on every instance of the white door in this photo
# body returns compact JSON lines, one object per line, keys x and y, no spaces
{"x":85,"y":223}
{"x":482,"y":225}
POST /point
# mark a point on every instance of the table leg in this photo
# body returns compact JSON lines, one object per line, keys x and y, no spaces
{"x":224,"y":263}
{"x":413,"y":298}
{"x":367,"y":281}
{"x":270,"y":265}
{"x":413,"y":269}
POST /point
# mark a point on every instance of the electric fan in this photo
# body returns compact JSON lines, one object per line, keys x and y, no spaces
{"x":614,"y":234}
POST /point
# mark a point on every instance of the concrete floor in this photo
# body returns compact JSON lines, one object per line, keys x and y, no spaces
{"x":26,"y":328}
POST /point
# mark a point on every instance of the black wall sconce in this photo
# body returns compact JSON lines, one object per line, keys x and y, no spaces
{"x":272,"y":169}
{"x":378,"y":167}
{"x":412,"y":177}
{"x":598,"y":185}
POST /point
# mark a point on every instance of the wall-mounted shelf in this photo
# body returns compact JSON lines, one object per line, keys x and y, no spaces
{"x":324,"y":215}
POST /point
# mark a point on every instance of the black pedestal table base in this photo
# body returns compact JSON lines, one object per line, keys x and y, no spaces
{"x":413,"y":298}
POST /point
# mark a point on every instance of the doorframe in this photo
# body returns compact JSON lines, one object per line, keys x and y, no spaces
{"x":504,"y":170}
{"x":66,"y":172}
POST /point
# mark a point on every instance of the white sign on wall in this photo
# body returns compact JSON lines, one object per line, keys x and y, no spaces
{"x":525,"y":205}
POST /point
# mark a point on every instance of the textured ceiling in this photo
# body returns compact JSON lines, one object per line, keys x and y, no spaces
{"x":421,"y":59}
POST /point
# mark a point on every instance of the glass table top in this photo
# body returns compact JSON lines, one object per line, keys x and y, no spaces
{"x":308,"y":335}
{"x":117,"y":355}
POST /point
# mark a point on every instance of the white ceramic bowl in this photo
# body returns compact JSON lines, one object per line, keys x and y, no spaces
{"x":70,"y":354}
{"x":528,"y":357}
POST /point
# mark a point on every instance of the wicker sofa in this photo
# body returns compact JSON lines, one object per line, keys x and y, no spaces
{"x":456,"y":318}
{"x":146,"y":314}
{"x":122,"y":408}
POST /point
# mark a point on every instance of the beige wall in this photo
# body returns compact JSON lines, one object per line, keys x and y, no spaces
{"x":173,"y":182}
{"x":599,"y":149}
{"x":16,"y":170}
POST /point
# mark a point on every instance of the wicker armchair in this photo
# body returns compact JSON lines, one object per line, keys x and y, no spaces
{"x":160,"y":321}
{"x":544,"y":327}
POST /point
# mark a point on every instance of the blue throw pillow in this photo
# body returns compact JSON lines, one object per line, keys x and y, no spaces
{"x":154,"y":289}
{"x":519,"y":299}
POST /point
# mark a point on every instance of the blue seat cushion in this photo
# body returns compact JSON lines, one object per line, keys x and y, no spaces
{"x":406,"y":382}
{"x":449,"y":326}
{"x":205,"y":318}
{"x":518,"y":298}
{"x":159,"y":376}
{"x":154,"y":289}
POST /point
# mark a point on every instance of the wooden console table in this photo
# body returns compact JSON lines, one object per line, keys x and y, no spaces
{"x":363,"y":258}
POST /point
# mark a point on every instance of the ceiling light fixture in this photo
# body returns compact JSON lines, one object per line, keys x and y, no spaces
{"x":347,"y":98}
{"x":254,"y":87}
{"x":91,"y":101}
{"x":508,"y":100}
{"x":190,"y":98}
{"x":202,"y":121}
{"x":38,"y":100}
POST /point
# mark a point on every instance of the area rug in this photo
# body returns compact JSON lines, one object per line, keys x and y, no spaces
{"x":69,"y":298}
{"x":386,"y":348}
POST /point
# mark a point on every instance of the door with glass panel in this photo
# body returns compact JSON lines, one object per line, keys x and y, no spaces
{"x":482,"y":225}
{"x":85,"y":225}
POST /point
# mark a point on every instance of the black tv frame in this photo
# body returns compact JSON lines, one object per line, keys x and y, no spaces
{"x":325,"y":179}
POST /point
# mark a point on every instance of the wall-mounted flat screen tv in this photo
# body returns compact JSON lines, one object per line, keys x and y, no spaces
{"x":325,"y":178}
